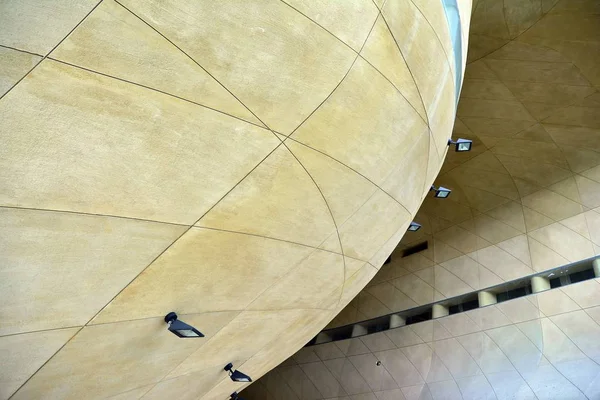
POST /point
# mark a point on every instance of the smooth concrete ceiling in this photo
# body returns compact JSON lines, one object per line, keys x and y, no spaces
{"x":247,"y":164}
{"x":527,"y":198}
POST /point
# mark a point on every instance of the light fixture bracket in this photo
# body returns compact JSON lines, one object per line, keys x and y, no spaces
{"x":180,"y":328}
{"x":170,"y":317}
{"x":236,"y":375}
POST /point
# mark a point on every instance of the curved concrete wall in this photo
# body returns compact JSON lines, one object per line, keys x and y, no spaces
{"x":527,"y":198}
{"x":543,"y":346}
{"x":494,"y":24}
{"x":248,"y":164}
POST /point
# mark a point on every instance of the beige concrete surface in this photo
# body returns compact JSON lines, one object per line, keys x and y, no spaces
{"x":526,"y":348}
{"x":247,"y":164}
{"x":527,"y":197}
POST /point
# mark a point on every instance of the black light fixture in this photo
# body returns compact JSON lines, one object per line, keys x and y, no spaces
{"x":180,"y":328}
{"x":441,"y":192}
{"x":236,"y":375}
{"x":235,"y":396}
{"x":461,"y":144}
{"x":413,"y":227}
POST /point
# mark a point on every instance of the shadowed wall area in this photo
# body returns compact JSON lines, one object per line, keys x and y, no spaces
{"x":249,"y":165}
{"x":527,"y":198}
{"x":542,"y":346}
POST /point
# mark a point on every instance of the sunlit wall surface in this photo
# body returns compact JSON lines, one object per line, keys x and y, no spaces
{"x":249,"y":165}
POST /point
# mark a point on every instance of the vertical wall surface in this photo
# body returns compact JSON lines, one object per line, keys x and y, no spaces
{"x":247,"y":164}
{"x":527,"y":197}
{"x":542,"y":346}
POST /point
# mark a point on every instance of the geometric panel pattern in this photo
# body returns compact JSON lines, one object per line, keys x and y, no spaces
{"x":247,"y":164}
{"x":526,"y":348}
{"x":527,"y":197}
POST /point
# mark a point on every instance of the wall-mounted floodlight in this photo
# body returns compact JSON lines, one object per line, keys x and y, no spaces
{"x":236,"y":375}
{"x":180,"y":328}
{"x":413,"y":227}
{"x":461,"y":144}
{"x":441,"y":192}
{"x":235,"y":396}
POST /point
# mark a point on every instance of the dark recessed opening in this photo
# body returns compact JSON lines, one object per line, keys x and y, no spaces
{"x":513,"y":294}
{"x":462,"y":307}
{"x":415,"y":249}
{"x":554,"y":283}
{"x":582,"y":275}
{"x":378,"y":327}
{"x":413,"y":319}
{"x":517,"y":288}
{"x":341,"y":333}
{"x":470,"y":305}
{"x":312,"y":341}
